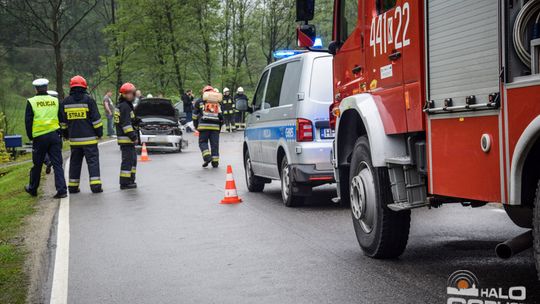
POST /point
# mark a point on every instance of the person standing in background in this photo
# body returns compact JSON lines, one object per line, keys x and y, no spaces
{"x":109,"y":113}
{"x":138,"y":97}
{"x":187,"y":100}
{"x":228,"y":107}
{"x":241,"y":101}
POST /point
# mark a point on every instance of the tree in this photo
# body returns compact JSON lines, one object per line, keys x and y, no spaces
{"x":51,"y":21}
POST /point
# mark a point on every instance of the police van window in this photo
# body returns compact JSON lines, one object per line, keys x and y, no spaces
{"x":275,"y":82}
{"x":291,"y":83}
{"x":259,"y":94}
{"x":349,"y":18}
{"x":321,"y":80}
{"x":385,"y":5}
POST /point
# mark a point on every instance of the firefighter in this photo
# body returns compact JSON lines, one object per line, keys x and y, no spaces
{"x":228,"y":107}
{"x":126,"y":124}
{"x":81,"y":124}
{"x":42,"y":124}
{"x":241,"y":101}
{"x":208,"y":119}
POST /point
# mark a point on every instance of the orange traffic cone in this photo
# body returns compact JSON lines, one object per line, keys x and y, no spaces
{"x":144,"y":154}
{"x":231,"y":196}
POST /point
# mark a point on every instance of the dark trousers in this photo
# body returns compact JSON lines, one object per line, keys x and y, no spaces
{"x":110,"y":125}
{"x":189,"y":116}
{"x":91,"y":154}
{"x":50,"y":144}
{"x":229,"y":121}
{"x":128,"y":168}
{"x":209,"y":153}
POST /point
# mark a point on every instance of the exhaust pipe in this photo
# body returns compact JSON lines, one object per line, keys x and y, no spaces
{"x":515,"y":245}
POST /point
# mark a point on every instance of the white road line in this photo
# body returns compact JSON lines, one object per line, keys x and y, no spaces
{"x":59,"y":290}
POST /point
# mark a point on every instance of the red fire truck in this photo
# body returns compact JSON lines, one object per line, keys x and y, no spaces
{"x":436,"y":102}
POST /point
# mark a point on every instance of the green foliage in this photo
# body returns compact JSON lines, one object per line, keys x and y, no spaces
{"x":15,"y":205}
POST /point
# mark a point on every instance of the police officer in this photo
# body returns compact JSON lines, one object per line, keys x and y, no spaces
{"x":126,"y":122}
{"x":43,"y":128}
{"x":81,"y":124}
{"x":228,"y":107}
{"x":240,"y":98}
{"x":208,"y":119}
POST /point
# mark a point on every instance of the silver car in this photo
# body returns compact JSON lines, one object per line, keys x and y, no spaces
{"x":288,"y":135}
{"x":159,"y":129}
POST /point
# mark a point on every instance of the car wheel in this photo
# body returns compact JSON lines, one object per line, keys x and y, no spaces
{"x":536,"y":230}
{"x":254,"y":183}
{"x":287,"y":194}
{"x":381,"y":232}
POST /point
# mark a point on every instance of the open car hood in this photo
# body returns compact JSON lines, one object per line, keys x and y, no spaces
{"x":155,"y":107}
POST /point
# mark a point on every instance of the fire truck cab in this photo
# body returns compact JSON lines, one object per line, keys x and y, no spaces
{"x":435,"y":102}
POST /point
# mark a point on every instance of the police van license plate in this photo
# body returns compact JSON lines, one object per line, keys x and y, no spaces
{"x":327,"y":133}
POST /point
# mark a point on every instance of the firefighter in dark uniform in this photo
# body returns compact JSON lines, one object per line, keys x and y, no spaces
{"x":228,"y":108}
{"x":81,"y":124}
{"x":240,"y":98}
{"x":208,"y":119}
{"x":42,"y":123}
{"x":126,"y":124}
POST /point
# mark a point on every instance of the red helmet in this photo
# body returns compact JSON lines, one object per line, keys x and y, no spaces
{"x":208,"y":89}
{"x":78,"y":81}
{"x":127,"y":88}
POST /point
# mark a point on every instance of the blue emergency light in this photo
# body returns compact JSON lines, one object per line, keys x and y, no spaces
{"x":318,"y":43}
{"x":282,"y":54}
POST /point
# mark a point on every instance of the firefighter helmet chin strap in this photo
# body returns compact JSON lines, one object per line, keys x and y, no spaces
{"x":529,"y":12}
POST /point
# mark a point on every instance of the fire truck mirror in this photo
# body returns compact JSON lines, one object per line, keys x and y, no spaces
{"x":305,"y":10}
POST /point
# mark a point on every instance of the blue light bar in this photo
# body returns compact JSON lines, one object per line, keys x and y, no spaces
{"x":282,"y":54}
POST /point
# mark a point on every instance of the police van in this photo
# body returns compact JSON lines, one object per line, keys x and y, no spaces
{"x":288,"y":135}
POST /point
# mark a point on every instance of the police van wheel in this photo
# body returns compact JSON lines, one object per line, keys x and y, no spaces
{"x":381,"y":232}
{"x":254,"y":183}
{"x":287,"y":194}
{"x":536,"y":230}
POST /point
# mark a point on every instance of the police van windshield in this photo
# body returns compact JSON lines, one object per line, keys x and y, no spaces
{"x":321,"y":80}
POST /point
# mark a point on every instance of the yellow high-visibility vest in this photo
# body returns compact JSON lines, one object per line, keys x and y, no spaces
{"x":45,"y":110}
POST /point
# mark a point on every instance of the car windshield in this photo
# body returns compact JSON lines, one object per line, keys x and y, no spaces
{"x":321,"y":80}
{"x":156,"y":120}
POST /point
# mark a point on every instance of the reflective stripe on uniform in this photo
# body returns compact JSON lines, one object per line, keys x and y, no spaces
{"x":126,"y":174}
{"x":96,"y":180}
{"x":98,"y":123}
{"x":215,"y":158}
{"x":63,"y":125}
{"x":83,"y":141}
{"x":134,"y":170}
{"x":128,"y":128}
{"x":73,"y":182}
{"x":124,"y":140}
{"x":76,"y":105}
{"x":206,"y":152}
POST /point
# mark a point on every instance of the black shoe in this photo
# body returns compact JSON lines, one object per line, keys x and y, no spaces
{"x":48,"y":170}
{"x":97,"y":189}
{"x":215,"y":164}
{"x":73,"y":190}
{"x":29,"y":191}
{"x":60,"y":195}
{"x":128,"y":186}
{"x":205,"y":164}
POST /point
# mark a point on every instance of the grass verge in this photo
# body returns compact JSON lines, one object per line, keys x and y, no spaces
{"x":15,"y":205}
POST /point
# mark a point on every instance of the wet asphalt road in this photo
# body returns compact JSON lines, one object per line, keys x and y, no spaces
{"x":170,"y":241}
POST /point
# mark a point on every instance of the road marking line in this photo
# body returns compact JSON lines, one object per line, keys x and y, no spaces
{"x":61,"y":260}
{"x":59,"y":290}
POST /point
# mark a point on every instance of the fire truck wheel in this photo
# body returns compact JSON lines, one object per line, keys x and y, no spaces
{"x":287,"y":193}
{"x":381,"y":232}
{"x":254,"y":183}
{"x":536,"y":230}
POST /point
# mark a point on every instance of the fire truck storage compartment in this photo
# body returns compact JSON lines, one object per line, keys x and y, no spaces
{"x":522,"y":39}
{"x":463,"y":51}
